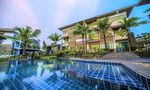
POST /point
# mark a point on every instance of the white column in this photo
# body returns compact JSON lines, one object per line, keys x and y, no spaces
{"x":88,"y":43}
{"x":88,"y":48}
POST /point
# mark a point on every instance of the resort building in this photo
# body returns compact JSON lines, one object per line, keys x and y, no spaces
{"x":143,"y":43}
{"x":7,"y":45}
{"x":5,"y":31}
{"x":114,"y":41}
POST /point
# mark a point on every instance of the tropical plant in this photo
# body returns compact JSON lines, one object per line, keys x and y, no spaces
{"x":126,"y":24}
{"x":145,"y":36}
{"x":102,"y":27}
{"x":33,"y":44}
{"x":55,"y":37}
{"x":83,"y":30}
{"x":44,"y":46}
{"x":25,"y":35}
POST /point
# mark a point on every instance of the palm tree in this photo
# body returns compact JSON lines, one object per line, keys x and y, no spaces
{"x":102,"y":27}
{"x":126,"y":24}
{"x":55,"y":37}
{"x":82,"y":30}
{"x":44,"y":46}
{"x":146,"y":35}
{"x":34,"y":44}
{"x":25,"y":35}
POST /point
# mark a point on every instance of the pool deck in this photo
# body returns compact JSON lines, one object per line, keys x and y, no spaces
{"x":134,"y":64}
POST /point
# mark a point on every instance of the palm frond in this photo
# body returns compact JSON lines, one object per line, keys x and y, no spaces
{"x":121,"y":32}
{"x":131,"y":22}
{"x":81,"y":29}
{"x":133,"y":19}
{"x":103,"y":24}
{"x":142,"y":22}
{"x":44,"y":45}
{"x":55,"y":37}
{"x":10,"y":37}
{"x":148,"y":10}
{"x":36,"y":32}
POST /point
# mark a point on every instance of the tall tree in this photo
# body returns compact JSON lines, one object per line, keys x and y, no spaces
{"x":55,"y":37}
{"x":26,"y":35}
{"x":145,"y":35}
{"x":126,"y":24}
{"x":102,"y":27}
{"x":83,"y":30}
{"x":44,"y":46}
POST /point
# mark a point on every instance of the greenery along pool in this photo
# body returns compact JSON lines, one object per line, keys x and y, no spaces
{"x":66,"y":75}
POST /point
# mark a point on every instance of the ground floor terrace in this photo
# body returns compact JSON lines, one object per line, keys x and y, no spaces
{"x":95,"y":45}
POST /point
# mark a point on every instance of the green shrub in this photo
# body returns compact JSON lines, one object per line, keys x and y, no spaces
{"x":45,"y":58}
{"x":88,"y":55}
{"x":2,"y":59}
{"x":66,"y":53}
{"x":52,"y":57}
{"x":37,"y":57}
{"x":103,"y":52}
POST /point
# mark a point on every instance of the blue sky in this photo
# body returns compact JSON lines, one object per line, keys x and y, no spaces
{"x":49,"y":15}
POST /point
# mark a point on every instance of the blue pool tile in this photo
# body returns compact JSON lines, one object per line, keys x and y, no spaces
{"x":78,"y":76}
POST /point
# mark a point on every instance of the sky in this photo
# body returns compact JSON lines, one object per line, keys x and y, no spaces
{"x":49,"y":15}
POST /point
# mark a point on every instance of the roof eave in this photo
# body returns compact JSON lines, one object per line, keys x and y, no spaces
{"x":6,"y":30}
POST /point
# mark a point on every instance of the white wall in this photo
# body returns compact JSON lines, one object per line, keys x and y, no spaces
{"x":7,"y":41}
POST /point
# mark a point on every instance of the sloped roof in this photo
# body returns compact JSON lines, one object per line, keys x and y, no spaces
{"x":6,"y":30}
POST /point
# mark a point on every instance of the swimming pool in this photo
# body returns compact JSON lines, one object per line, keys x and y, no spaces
{"x":67,"y":75}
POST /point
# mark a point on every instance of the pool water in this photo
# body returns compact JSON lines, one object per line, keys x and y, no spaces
{"x":66,"y":75}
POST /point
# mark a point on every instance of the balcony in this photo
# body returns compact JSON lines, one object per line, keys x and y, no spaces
{"x":93,"y":40}
{"x":66,"y":35}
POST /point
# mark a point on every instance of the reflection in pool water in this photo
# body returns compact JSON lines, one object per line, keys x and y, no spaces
{"x":65,"y":75}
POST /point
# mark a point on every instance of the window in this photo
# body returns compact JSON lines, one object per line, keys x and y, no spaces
{"x":109,"y":45}
{"x":102,"y":46}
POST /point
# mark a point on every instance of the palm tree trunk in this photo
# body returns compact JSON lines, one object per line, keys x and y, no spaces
{"x":24,"y":51}
{"x":99,"y":38}
{"x":86,"y":43}
{"x":83,"y":42}
{"x":75,"y":43}
{"x":129,"y":42}
{"x":105,"y":41}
